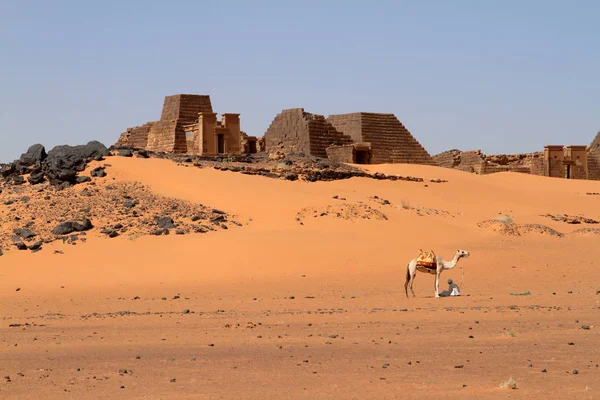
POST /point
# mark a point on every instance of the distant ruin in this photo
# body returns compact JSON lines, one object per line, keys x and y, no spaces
{"x":188,"y":125}
{"x":557,"y":161}
{"x":359,"y":138}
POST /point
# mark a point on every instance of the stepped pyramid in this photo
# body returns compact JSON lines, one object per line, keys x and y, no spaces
{"x":593,"y":159}
{"x":390,"y":141}
{"x":294,"y":130}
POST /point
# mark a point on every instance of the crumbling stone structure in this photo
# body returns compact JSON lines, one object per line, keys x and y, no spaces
{"x":295,"y":130}
{"x":251,"y":144}
{"x":570,"y":162}
{"x":187,"y":125}
{"x":361,"y":138}
{"x":476,"y":162}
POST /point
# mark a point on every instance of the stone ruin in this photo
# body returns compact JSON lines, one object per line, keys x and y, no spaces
{"x":359,"y":138}
{"x":557,"y":161}
{"x":479,"y":163}
{"x":188,"y":125}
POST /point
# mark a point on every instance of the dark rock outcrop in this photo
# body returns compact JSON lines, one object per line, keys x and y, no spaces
{"x":60,"y":165}
{"x":70,"y":226}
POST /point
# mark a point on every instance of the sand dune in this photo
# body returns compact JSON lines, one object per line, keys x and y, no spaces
{"x":305,"y":298}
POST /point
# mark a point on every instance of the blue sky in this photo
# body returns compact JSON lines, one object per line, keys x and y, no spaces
{"x":502,"y":76}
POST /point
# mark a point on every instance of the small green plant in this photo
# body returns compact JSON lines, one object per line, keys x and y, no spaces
{"x":511,"y":383}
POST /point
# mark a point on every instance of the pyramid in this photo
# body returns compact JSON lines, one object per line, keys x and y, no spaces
{"x":295,"y":130}
{"x":390,"y":141}
{"x":593,"y":159}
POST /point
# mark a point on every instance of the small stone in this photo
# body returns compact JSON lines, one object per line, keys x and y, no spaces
{"x":459,"y":366}
{"x":585,"y":327}
{"x":186,"y":311}
{"x":173,"y":380}
{"x":544,"y":370}
{"x":575,"y":372}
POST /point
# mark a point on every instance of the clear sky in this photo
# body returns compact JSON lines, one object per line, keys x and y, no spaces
{"x":501,"y":76}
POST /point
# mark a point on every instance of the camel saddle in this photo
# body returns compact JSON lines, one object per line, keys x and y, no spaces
{"x":426,"y":259}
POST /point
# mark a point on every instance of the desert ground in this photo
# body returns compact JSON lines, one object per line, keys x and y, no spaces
{"x":303,"y":296}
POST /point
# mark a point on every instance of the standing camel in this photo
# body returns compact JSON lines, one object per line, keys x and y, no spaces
{"x":436,"y":268}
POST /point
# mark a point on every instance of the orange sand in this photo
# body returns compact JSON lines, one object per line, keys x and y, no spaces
{"x":346,"y":278}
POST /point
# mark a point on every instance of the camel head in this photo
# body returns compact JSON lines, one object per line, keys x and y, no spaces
{"x":462,"y":253}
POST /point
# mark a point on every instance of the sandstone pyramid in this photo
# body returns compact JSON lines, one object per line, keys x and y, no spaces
{"x":594,"y":159}
{"x":390,"y":141}
{"x":295,"y":130}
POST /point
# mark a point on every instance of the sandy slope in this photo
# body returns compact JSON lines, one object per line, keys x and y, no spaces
{"x":268,"y":295}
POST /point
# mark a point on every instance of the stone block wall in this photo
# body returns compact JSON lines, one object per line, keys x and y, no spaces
{"x":390,"y":141}
{"x":448,"y":159}
{"x":322,"y":135}
{"x":185,"y":106}
{"x":162,"y":137}
{"x":295,"y":130}
{"x":350,"y":124}
{"x":343,"y":153}
{"x":479,"y":163}
{"x":135,"y":137}
{"x":593,"y":159}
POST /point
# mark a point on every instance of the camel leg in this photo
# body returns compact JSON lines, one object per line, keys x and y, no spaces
{"x":411,"y":271}
{"x":408,"y":279}
{"x":437,"y":283}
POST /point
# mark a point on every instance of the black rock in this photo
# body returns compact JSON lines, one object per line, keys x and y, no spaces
{"x":291,"y":177}
{"x":82,"y":179}
{"x":63,"y":162}
{"x":130,"y":203}
{"x":110,"y":233}
{"x":158,"y":232}
{"x":118,"y":226}
{"x":217,"y":211}
{"x":21,"y":246}
{"x":9,"y":202}
{"x":98,"y":172}
{"x":142,"y":154}
{"x":18,"y":180}
{"x":180,"y":232}
{"x":7,"y":170}
{"x":36,"y":178}
{"x":125,"y":153}
{"x":218,"y":219}
{"x":24,"y":233}
{"x":36,"y":246}
{"x":68,"y":227}
{"x":165,"y":222}
{"x":34,"y":155}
